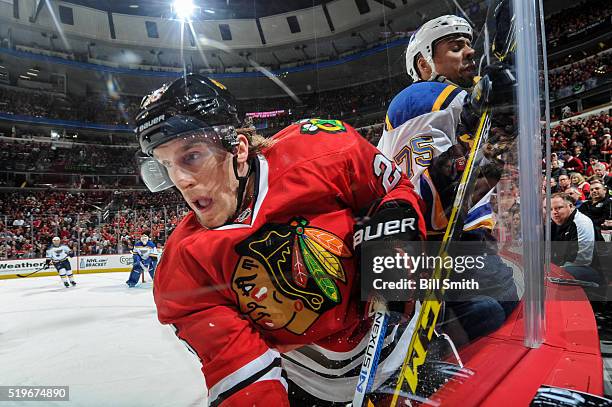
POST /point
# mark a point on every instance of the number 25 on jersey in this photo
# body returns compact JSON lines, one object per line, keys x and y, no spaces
{"x":420,"y":149}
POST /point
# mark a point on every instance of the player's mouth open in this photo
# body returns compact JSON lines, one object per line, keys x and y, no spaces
{"x":470,"y":67}
{"x":202,"y":203}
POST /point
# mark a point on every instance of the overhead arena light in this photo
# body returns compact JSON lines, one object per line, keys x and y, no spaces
{"x":183,"y":9}
{"x":134,"y":6}
{"x":24,"y":77}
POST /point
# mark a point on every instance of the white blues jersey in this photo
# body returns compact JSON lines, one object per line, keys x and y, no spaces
{"x":58,"y":253}
{"x":420,"y":125}
{"x":145,"y":250}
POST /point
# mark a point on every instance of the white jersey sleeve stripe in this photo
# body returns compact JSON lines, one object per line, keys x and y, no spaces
{"x":267,"y":366}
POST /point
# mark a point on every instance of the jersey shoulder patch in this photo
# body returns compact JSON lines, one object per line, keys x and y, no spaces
{"x":418,"y":99}
{"x":314,"y":126}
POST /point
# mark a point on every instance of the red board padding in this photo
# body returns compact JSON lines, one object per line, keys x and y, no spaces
{"x":507,"y":373}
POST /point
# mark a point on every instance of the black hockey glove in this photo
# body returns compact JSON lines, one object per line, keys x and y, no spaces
{"x":473,"y":106}
{"x":503,"y":81}
{"x":382,"y":240}
{"x":494,"y":91}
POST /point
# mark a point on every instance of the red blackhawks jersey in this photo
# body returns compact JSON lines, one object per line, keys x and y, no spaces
{"x":274,"y":297}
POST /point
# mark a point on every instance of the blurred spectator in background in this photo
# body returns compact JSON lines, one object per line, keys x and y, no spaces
{"x":566,"y":112}
{"x":576,"y":195}
{"x":599,"y":207}
{"x":573,"y":237}
{"x":593,"y":161}
{"x":579,"y":182}
{"x":564,"y":182}
{"x":556,"y":168}
{"x":602,"y":173}
{"x":580,"y":154}
{"x":516,"y":226}
{"x":554,"y":187}
{"x":606,"y":144}
{"x":572,"y":163}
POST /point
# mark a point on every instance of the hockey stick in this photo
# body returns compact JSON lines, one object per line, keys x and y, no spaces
{"x":365,"y":382}
{"x":46,"y":266}
{"x":144,"y":270}
{"x":432,"y":304}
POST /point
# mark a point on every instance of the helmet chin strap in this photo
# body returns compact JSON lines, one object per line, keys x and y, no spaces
{"x":444,"y":79}
{"x":432,"y":66}
{"x":242,"y":181}
{"x":436,"y":77}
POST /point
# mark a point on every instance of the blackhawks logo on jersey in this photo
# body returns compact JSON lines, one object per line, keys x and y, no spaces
{"x":313,"y":126}
{"x":288,"y":275}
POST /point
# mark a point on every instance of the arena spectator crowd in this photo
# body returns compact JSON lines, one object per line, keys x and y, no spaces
{"x":90,"y":109}
{"x":578,"y":72}
{"x":584,"y":138}
{"x":352,"y":104}
{"x":89,"y":223}
{"x":28,"y":155}
{"x":347,"y":103}
{"x":344,"y":104}
{"x":573,"y":19}
{"x":581,"y":161}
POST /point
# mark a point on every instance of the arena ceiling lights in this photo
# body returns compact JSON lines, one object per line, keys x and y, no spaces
{"x":183,"y":9}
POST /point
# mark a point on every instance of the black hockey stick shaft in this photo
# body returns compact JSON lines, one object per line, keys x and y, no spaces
{"x":34,"y":272}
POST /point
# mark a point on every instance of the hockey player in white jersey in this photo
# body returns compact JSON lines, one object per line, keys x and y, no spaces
{"x":58,"y":254}
{"x":427,"y":132}
{"x":422,"y":120}
{"x":144,"y":255}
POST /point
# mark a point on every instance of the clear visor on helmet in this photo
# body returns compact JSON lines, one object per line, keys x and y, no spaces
{"x":189,"y":154}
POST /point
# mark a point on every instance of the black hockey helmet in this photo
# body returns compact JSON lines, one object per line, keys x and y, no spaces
{"x":187,"y":104}
{"x":192,"y":106}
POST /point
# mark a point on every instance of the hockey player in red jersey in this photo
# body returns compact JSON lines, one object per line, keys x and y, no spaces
{"x":260,"y":280}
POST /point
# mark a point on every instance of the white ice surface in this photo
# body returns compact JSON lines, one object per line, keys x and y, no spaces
{"x":100,"y":338}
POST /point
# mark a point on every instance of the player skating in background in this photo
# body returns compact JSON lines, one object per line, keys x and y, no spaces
{"x":58,"y":254}
{"x":260,"y":280}
{"x":428,"y":129}
{"x":144,"y":256}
